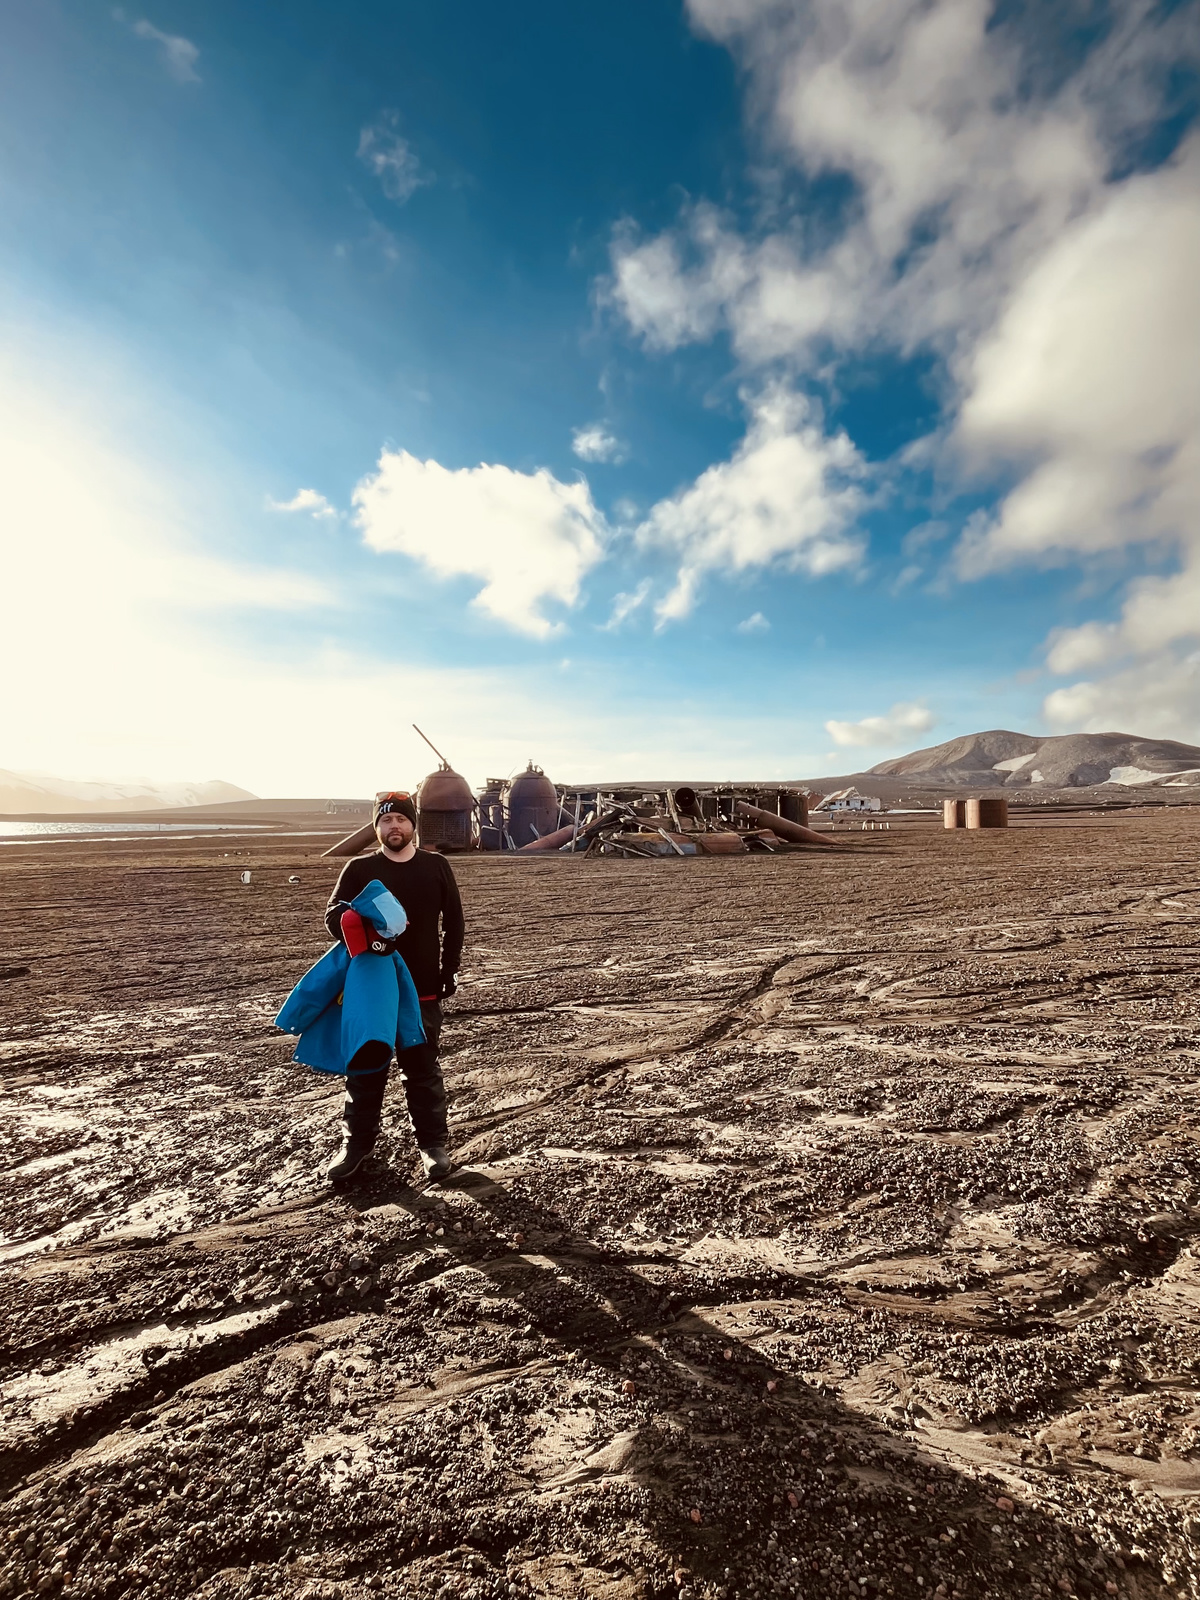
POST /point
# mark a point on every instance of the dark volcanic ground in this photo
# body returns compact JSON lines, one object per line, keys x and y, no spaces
{"x":826,"y":1227}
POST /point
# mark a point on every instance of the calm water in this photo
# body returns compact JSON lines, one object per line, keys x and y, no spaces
{"x":51,"y":830}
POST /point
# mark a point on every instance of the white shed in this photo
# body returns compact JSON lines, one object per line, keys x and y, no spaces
{"x":844,"y":800}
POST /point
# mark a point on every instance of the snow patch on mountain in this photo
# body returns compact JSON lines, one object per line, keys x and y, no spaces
{"x":1130,"y":775}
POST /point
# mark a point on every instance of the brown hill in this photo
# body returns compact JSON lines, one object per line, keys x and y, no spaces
{"x":999,"y":758}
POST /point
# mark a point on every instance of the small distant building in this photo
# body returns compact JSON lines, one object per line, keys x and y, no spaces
{"x":848,"y":800}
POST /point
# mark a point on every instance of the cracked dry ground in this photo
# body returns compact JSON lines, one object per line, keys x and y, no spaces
{"x":826,"y":1227}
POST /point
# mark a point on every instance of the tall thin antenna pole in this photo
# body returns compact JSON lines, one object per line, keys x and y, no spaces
{"x":432,"y":746}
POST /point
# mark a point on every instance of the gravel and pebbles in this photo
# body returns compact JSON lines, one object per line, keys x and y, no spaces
{"x":826,"y":1225}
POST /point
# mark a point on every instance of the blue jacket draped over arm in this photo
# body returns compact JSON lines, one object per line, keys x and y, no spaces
{"x":341,"y":1004}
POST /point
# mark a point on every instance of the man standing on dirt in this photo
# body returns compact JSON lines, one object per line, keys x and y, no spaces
{"x":431,"y":947}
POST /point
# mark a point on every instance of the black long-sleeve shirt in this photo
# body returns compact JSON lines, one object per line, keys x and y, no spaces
{"x":425,"y":887}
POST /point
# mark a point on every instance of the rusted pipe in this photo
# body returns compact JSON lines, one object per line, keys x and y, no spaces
{"x":794,"y":831}
{"x":562,"y":836}
{"x":354,"y":843}
{"x":723,"y":843}
{"x":548,"y":841}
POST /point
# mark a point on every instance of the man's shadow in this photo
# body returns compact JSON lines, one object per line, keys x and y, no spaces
{"x":809,"y":1461}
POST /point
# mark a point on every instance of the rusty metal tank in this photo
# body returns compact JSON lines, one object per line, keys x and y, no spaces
{"x":491,"y":815}
{"x":983,"y":812}
{"x":532,"y":802}
{"x":793,"y":806}
{"x":445,"y":812}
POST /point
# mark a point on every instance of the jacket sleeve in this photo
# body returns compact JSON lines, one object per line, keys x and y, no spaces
{"x":453,"y":925}
{"x":344,"y":891}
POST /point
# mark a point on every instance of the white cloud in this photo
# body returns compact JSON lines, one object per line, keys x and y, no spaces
{"x":530,"y":537}
{"x":304,"y":500}
{"x":923,"y":536}
{"x":391,"y":158}
{"x":968,"y":158}
{"x":179,"y":55}
{"x":960,"y":179}
{"x":756,"y":623}
{"x":1089,"y":386}
{"x":1076,"y":649}
{"x":1152,"y":685}
{"x":666,"y":303}
{"x":1089,"y":382}
{"x":905,"y":719}
{"x":905,"y":576}
{"x":772,"y":300}
{"x":788,"y":496}
{"x":594,"y":442}
{"x":1158,"y":698}
{"x":624,"y":605}
{"x":986,"y":226}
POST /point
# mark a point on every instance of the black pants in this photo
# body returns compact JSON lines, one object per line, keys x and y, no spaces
{"x":423,"y":1087}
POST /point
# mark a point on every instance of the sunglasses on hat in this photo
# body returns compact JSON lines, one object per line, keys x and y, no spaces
{"x":393,"y":800}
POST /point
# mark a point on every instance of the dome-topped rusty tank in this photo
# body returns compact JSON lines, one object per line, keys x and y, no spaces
{"x":446,"y":812}
{"x":532,"y":803}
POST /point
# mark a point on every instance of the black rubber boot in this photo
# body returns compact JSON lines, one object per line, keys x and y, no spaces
{"x":435,"y":1162}
{"x":349,"y":1158}
{"x":361,"y":1112}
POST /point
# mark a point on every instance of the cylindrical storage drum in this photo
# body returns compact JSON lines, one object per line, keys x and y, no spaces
{"x":986,"y":813}
{"x":954,"y":813}
{"x":793,"y":807}
{"x":993,"y":813}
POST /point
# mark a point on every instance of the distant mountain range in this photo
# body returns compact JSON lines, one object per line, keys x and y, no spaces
{"x":1000,"y":759}
{"x":22,"y":793}
{"x":1116,"y":763}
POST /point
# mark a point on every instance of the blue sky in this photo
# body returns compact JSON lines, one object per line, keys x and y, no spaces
{"x":718,"y":388}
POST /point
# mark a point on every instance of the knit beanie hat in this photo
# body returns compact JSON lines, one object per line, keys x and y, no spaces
{"x":398,"y":800}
